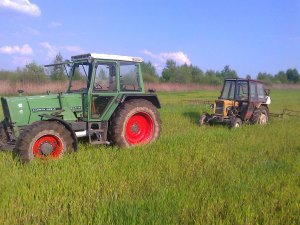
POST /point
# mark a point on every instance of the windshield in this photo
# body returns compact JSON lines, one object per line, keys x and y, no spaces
{"x":228,"y":90}
{"x":80,"y":73}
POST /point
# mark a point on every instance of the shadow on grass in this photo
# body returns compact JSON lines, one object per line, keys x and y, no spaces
{"x":193,"y":116}
{"x":194,"y":119}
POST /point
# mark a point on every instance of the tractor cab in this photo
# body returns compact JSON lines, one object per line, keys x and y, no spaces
{"x":240,"y":100}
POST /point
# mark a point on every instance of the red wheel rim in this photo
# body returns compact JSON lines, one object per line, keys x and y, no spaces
{"x":139,"y":129}
{"x":47,"y":146}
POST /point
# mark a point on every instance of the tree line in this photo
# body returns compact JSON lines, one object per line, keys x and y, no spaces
{"x":172,"y":73}
{"x":192,"y":74}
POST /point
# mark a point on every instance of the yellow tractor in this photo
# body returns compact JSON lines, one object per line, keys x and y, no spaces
{"x":241,"y":101}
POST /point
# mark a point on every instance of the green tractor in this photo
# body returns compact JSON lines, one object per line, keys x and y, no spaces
{"x":109,"y":106}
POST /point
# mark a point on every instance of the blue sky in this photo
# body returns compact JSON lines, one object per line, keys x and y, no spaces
{"x":251,"y":36}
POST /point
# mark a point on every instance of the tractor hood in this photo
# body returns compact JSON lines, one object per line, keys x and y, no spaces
{"x":24,"y":110}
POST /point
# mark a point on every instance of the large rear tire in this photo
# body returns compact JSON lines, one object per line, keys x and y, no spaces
{"x":260,"y":116}
{"x":44,"y":140}
{"x":136,"y":122}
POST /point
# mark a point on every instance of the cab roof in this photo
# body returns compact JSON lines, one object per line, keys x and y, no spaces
{"x":106,"y":57}
{"x":243,"y":79}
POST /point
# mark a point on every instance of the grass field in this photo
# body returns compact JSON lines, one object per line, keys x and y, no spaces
{"x":192,"y":175}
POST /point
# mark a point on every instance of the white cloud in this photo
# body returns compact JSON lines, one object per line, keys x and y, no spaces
{"x":53,"y":50}
{"x":23,"y":6}
{"x":179,"y":57}
{"x":55,"y":24}
{"x":24,"y":50}
{"x":160,"y":59}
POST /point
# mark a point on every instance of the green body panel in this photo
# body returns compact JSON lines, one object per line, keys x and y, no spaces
{"x":71,"y":103}
{"x":26,"y":110}
{"x":17,"y":110}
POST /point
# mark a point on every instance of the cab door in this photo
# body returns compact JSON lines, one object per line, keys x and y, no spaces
{"x":254,"y":101}
{"x":242,"y":97}
{"x":104,"y":93}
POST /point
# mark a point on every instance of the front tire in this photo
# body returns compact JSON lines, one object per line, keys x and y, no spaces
{"x":44,"y":140}
{"x":235,"y":122}
{"x":136,"y":122}
{"x":202,"y":121}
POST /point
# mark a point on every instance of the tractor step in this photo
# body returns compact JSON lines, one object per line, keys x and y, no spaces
{"x":97,"y":132}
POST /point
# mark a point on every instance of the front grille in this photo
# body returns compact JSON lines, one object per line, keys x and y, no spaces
{"x":219,"y":108}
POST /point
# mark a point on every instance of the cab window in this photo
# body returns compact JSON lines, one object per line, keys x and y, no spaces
{"x":129,"y":77}
{"x":253,"y":92}
{"x":105,"y":77}
{"x":261,"y":92}
{"x":242,"y":90}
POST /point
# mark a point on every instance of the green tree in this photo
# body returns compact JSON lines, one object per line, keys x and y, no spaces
{"x":228,"y":73}
{"x":281,"y":77}
{"x":212,"y":77}
{"x":169,"y":71}
{"x":182,"y":74}
{"x":33,"y":72}
{"x":267,"y":78}
{"x":197,"y":74}
{"x":292,"y":75}
{"x":57,"y":72}
{"x":149,"y":72}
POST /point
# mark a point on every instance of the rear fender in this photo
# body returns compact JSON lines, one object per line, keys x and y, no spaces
{"x":149,"y":97}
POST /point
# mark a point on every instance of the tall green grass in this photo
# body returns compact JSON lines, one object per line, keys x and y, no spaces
{"x":191,"y":175}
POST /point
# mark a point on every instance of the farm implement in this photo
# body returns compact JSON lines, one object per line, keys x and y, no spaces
{"x":286,"y":112}
{"x":109,"y":106}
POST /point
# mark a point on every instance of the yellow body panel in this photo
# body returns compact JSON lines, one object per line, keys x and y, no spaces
{"x":220,"y":107}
